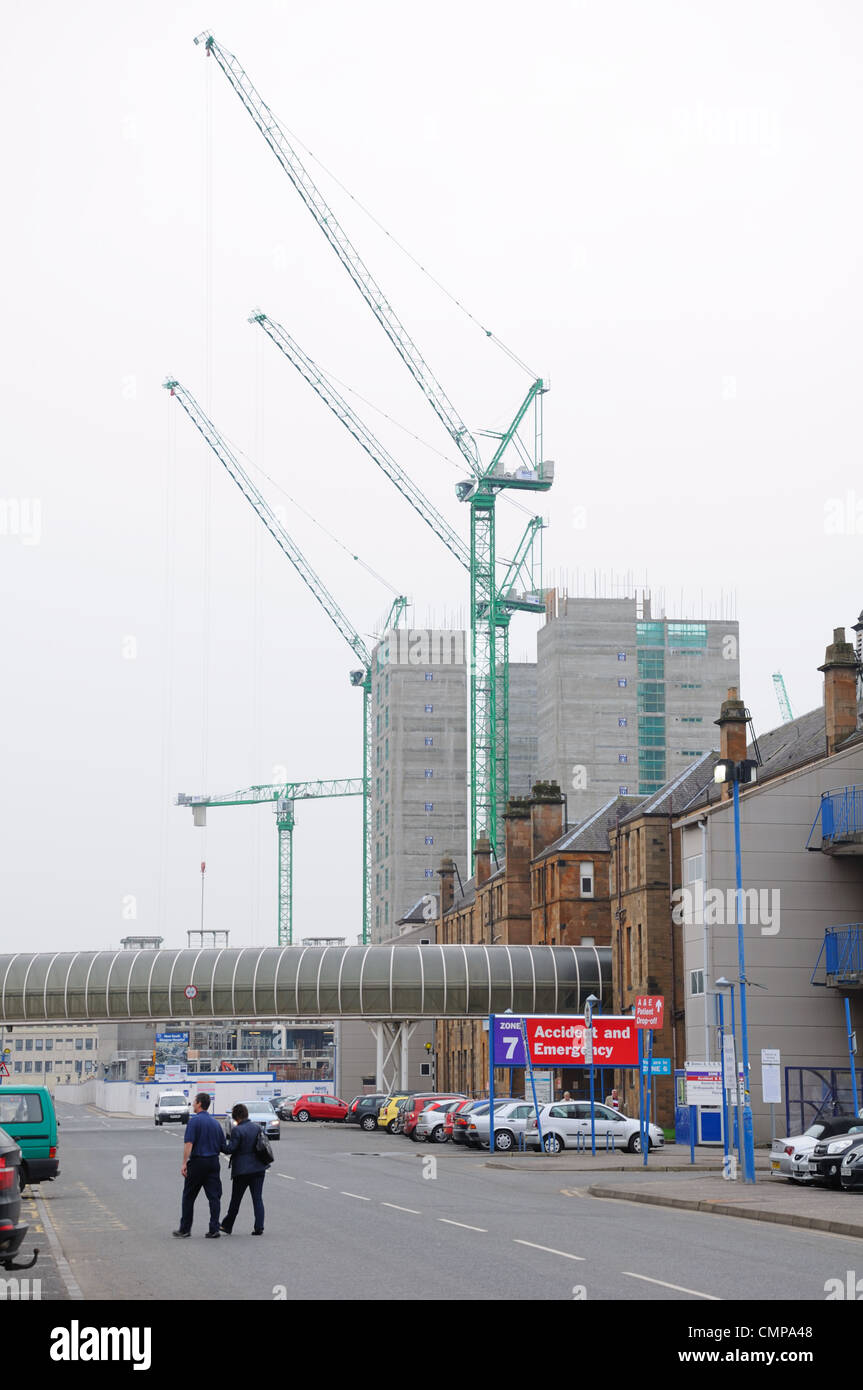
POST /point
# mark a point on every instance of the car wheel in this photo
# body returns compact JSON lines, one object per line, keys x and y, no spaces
{"x":22,"y":1179}
{"x":634,"y":1144}
{"x":369,"y":1122}
{"x":504,"y":1140}
{"x":303,"y":1116}
{"x":391,"y":1127}
{"x":552,"y":1143}
{"x":158,"y":1122}
{"x":438,"y":1135}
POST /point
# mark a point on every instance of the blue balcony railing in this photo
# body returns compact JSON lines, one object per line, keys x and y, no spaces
{"x":841,"y":955}
{"x":841,"y":817}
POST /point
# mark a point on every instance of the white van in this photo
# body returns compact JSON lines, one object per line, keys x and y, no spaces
{"x":172,"y":1105}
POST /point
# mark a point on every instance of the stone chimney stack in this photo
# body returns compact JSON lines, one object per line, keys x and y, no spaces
{"x":446,"y":873}
{"x":482,"y":860}
{"x":517,"y":837}
{"x":546,"y":816}
{"x":840,"y":690}
{"x":732,"y":733}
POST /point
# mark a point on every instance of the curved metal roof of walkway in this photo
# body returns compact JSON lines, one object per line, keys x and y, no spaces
{"x":398,"y":982}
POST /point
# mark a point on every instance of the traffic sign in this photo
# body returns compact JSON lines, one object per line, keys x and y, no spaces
{"x":588,"y":1013}
{"x":649,"y":1009}
{"x":4,"y":1070}
{"x":190,"y":991}
{"x":659,"y":1066}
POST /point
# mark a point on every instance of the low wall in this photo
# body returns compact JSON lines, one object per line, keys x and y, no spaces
{"x":139,"y":1098}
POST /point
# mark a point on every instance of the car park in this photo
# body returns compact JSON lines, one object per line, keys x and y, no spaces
{"x":414,"y":1108}
{"x":825,"y":1160}
{"x":319,"y":1107}
{"x":28,"y":1116}
{"x":261,"y":1111}
{"x":12,"y":1229}
{"x":431,"y":1122}
{"x":851,"y":1167}
{"x":389,"y":1110}
{"x":567,"y":1125}
{"x":789,"y":1157}
{"x":363,"y":1111}
{"x":511,"y":1119}
{"x":172,"y":1107}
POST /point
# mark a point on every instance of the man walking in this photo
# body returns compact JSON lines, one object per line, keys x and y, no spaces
{"x":202,"y":1144}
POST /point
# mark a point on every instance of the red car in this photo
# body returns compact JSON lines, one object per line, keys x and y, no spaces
{"x":314,"y":1107}
{"x":457,"y":1121}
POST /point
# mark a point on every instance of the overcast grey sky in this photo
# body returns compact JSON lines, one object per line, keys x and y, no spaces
{"x":657,"y":206}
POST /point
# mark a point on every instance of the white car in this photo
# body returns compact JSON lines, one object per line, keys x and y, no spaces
{"x":566,"y":1125}
{"x":789,"y":1157}
{"x":510,"y":1120}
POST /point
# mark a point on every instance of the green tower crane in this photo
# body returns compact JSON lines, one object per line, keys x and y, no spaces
{"x":284,"y":795}
{"x":488,"y":634}
{"x":361,"y":678}
{"x":525,"y":566}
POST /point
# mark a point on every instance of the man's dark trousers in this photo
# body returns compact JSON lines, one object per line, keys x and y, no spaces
{"x":201,"y":1172}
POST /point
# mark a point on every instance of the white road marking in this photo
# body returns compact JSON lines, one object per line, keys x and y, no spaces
{"x":357,"y":1195}
{"x":464,"y":1227}
{"x":679,"y":1287}
{"x":413,"y":1211}
{"x":286,"y":1175}
{"x":549,"y":1251}
{"x":317,"y":1184}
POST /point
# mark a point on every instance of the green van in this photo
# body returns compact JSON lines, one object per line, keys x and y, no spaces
{"x":27,"y":1114}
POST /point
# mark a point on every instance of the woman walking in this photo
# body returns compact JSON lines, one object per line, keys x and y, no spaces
{"x":247,"y":1170}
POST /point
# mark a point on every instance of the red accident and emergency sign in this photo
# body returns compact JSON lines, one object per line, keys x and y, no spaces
{"x":560,"y":1041}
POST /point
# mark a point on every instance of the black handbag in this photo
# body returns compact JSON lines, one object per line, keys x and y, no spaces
{"x":264,"y":1149}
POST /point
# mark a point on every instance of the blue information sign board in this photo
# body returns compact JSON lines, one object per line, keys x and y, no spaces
{"x":659,"y":1066}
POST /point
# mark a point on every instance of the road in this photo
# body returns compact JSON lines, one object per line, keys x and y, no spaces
{"x":352,"y":1215}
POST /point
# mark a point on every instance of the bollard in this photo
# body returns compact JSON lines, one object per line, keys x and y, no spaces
{"x":692,"y":1115}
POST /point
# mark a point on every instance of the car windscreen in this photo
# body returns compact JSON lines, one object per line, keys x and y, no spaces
{"x":173,"y":1100}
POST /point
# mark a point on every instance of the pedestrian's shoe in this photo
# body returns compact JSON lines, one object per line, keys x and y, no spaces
{"x":226,"y":1229}
{"x":257,"y":1233}
{"x":183,"y":1235}
{"x":212,"y":1235}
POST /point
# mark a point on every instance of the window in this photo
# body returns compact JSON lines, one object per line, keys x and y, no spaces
{"x":429,"y":772}
{"x":621,"y":656}
{"x":588,"y":941}
{"x":651,"y":697}
{"x":696,"y":982}
{"x":386,"y":880}
{"x":621,"y":723}
{"x":425,"y":1068}
{"x":387,"y":717}
{"x":49,"y":1066}
{"x":429,"y":873}
{"x":387,"y":783}
{"x":19,"y":1044}
{"x":585,"y":873}
{"x":623,"y":791}
{"x":691,"y":719}
{"x":38,"y":1044}
{"x":79,"y":1067}
{"x":429,"y":741}
{"x":386,"y":748}
{"x":687,"y":634}
{"x":429,"y":709}
{"x":89,"y":1044}
{"x":20,"y":1109}
{"x":38,"y":1065}
{"x":622,"y":682}
{"x":49,"y":1044}
{"x":650,"y":634}
{"x":28,"y":1066}
{"x":429,"y":839}
{"x":429,"y":675}
{"x":623,"y":757}
{"x":651,"y":732}
{"x":429,"y":807}
{"x":378,"y":725}
{"x":693,"y":868}
{"x":651,"y":664}
{"x":28,"y":1044}
{"x":387,"y":814}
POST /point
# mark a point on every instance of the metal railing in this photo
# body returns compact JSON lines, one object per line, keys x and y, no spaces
{"x":842,"y":955}
{"x":841,"y":815}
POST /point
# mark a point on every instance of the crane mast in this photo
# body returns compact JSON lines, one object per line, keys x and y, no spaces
{"x":361,"y":678}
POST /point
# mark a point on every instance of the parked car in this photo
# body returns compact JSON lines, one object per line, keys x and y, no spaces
{"x":510,"y":1120}
{"x":480,"y":1114}
{"x":825,"y":1160}
{"x":789,"y":1157}
{"x":28,"y":1116}
{"x":171,"y":1107}
{"x":461,"y":1119}
{"x":363,"y":1111}
{"x":389,"y":1110}
{"x":563,"y":1123}
{"x":449,"y":1123}
{"x":12,"y":1228}
{"x":851,"y":1167}
{"x":431,"y":1122}
{"x":284,"y":1106}
{"x":261,"y":1111}
{"x":416,"y":1105}
{"x":317,"y":1107}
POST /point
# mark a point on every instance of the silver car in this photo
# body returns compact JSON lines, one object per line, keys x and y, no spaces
{"x":789,"y":1157}
{"x":263,"y":1114}
{"x":432,"y":1120}
{"x":511,"y":1120}
{"x":567,"y":1125}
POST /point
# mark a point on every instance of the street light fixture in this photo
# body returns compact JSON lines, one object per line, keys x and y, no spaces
{"x":736,"y":772}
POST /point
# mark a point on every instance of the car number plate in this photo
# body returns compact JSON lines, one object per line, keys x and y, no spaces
{"x":774,"y":1164}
